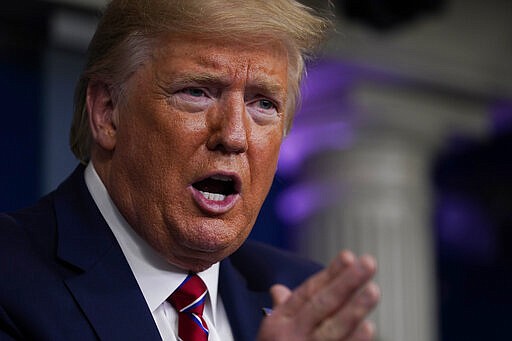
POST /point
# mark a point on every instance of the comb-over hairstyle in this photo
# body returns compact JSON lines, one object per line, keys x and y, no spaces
{"x":130,"y":30}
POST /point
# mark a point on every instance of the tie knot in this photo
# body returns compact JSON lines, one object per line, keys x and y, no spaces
{"x":189,"y":296}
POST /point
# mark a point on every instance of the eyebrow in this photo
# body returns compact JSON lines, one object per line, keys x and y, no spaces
{"x":199,"y":78}
{"x":257,"y":85}
{"x":267,"y":86}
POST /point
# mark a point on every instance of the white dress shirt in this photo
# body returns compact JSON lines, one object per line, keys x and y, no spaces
{"x":157,"y":278}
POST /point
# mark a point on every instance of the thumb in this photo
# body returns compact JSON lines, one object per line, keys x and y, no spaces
{"x":279,"y":294}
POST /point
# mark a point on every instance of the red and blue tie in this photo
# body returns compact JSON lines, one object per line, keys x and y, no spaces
{"x":188,"y":300}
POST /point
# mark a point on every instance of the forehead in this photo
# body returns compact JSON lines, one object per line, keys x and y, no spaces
{"x":264,"y":62}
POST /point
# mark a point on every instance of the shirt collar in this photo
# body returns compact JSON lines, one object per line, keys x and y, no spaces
{"x":157,"y":278}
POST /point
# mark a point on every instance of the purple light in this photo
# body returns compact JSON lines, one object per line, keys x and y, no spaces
{"x":299,"y":202}
{"x":325,"y":119}
{"x":300,"y":145}
{"x":325,"y":123}
{"x":464,"y":228}
{"x":327,"y":80}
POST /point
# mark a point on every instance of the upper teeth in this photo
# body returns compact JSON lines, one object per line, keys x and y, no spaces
{"x":213,"y":196}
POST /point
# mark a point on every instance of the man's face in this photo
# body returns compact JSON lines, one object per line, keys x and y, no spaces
{"x":197,"y":144}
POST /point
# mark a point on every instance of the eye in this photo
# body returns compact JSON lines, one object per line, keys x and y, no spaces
{"x":264,"y":110}
{"x":265,"y":104}
{"x":191,"y":99}
{"x":194,"y":92}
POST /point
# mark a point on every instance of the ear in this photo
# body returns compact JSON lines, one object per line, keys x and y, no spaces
{"x":102,"y":115}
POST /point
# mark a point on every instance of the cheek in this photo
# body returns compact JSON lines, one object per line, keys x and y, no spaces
{"x":161,"y":137}
{"x":264,"y":160}
{"x":268,"y":147}
{"x":143,"y":152}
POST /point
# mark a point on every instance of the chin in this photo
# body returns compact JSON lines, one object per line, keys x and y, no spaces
{"x":198,"y":267}
{"x":213,"y":249}
{"x":214,"y":237}
{"x":204,"y":253}
{"x":196,"y":261}
{"x":199,"y":245}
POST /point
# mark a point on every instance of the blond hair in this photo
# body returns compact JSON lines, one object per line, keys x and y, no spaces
{"x":129,"y":30}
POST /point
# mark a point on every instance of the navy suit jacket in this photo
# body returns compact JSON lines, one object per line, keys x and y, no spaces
{"x":63,"y":275}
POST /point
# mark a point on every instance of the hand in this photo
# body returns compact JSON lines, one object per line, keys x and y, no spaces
{"x":330,"y":305}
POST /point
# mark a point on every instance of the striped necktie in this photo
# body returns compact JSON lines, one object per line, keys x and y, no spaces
{"x":188,"y":300}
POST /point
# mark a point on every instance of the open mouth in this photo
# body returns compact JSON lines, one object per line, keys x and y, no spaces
{"x":217,"y":187}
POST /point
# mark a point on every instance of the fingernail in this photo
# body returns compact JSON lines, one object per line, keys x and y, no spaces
{"x":344,"y":259}
{"x":337,"y":264}
{"x":371,"y":294}
{"x":366,"y":331}
{"x":368,"y":262}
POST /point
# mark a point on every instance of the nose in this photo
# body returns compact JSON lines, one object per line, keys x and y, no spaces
{"x":228,"y":127}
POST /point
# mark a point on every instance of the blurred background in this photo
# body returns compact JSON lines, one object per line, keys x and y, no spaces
{"x":402,"y":149}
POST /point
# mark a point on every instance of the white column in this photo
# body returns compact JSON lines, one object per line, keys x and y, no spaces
{"x":385,"y":202}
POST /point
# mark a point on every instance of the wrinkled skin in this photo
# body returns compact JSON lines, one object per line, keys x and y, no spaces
{"x":331,"y":305}
{"x":210,"y":108}
{"x":198,"y":108}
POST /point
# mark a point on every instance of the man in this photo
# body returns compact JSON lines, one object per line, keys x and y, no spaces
{"x":180,"y":114}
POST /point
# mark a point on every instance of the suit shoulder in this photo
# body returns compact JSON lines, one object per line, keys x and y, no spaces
{"x":261,"y":263}
{"x":38,"y":218}
{"x":27,"y":230}
{"x":13,"y":223}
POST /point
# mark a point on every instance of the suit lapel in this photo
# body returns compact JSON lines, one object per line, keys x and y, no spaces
{"x":243,"y":305}
{"x":112,"y":301}
{"x":106,"y":289}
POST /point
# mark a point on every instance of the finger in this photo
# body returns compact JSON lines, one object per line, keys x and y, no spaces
{"x":311,"y":286}
{"x":343,"y":260}
{"x":331,"y":298}
{"x":364,"y":332}
{"x":279,"y":294}
{"x":351,"y":316}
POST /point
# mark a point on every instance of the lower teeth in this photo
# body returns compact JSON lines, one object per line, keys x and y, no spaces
{"x":213,"y":196}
